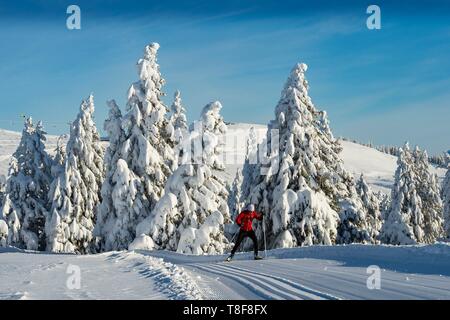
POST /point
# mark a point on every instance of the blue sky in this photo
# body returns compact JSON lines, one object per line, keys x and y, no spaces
{"x":384,"y":86}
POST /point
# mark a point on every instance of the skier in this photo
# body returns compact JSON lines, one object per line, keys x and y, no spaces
{"x":245,"y":221}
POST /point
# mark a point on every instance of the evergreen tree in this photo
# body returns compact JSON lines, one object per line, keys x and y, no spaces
{"x":305,"y":192}
{"x":75,"y":193}
{"x":249,"y":170}
{"x":405,"y":220}
{"x":234,"y":200}
{"x":2,"y":189}
{"x":372,"y":206}
{"x":113,"y":127}
{"x":190,"y":217}
{"x":60,"y":157}
{"x":446,"y":198}
{"x":178,"y":127}
{"x":3,"y":233}
{"x":25,"y":204}
{"x":429,"y":192}
{"x":147,"y":154}
{"x":178,"y":118}
{"x":3,"y":225}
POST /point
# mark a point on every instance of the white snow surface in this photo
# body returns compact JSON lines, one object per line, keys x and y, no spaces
{"x":112,"y":276}
{"x":308,"y":273}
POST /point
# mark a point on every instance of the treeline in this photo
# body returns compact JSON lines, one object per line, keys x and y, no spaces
{"x":159,"y":186}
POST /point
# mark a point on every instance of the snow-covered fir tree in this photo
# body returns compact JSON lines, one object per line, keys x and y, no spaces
{"x":190,"y":217}
{"x":249,"y":172}
{"x":60,"y":157}
{"x":372,"y":206}
{"x":428,"y":190}
{"x":75,"y":193}
{"x":446,"y":199}
{"x":25,"y":204}
{"x":113,"y":128}
{"x":178,"y":118}
{"x":305,"y":193}
{"x":234,"y":200}
{"x":2,"y":189}
{"x":3,"y":233}
{"x":145,"y":158}
{"x":404,"y":221}
{"x":3,"y":225}
{"x":178,"y":127}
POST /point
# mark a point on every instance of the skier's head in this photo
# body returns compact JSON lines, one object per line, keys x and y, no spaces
{"x":250,"y":207}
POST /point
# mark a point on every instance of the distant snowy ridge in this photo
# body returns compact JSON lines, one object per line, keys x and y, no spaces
{"x":377,"y":167}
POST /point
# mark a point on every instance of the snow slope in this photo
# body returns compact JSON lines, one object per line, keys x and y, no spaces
{"x":378,"y":167}
{"x":309,"y":273}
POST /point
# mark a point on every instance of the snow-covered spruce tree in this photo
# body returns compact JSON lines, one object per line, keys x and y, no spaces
{"x":59,"y":158}
{"x":190,"y":217}
{"x":234,"y":199}
{"x":249,"y":172}
{"x":428,"y":190}
{"x":372,"y":206}
{"x":113,"y":128}
{"x":75,"y":193}
{"x":3,"y":233}
{"x":178,"y":118}
{"x":2,"y":189}
{"x":25,"y":204}
{"x":178,"y":127}
{"x":3,"y":225}
{"x":147,"y":158}
{"x":305,"y":193}
{"x":446,"y":199}
{"x":404,"y":221}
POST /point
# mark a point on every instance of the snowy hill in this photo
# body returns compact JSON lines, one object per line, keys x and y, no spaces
{"x":377,"y":167}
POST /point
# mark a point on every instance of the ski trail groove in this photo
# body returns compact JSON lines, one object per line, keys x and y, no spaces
{"x":274,"y":287}
{"x":275,"y":284}
{"x":263,"y":291}
{"x":300,"y":288}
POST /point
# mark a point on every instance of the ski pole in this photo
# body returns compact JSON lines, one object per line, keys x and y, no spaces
{"x":234,"y":237}
{"x":265,"y":243}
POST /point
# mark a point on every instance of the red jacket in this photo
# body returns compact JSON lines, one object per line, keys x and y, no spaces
{"x":245,"y":219}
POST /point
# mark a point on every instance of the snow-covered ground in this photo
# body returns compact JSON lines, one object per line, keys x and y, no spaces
{"x":115,"y":275}
{"x":319,"y":273}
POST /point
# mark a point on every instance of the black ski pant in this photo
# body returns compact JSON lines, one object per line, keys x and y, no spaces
{"x":242,"y":235}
